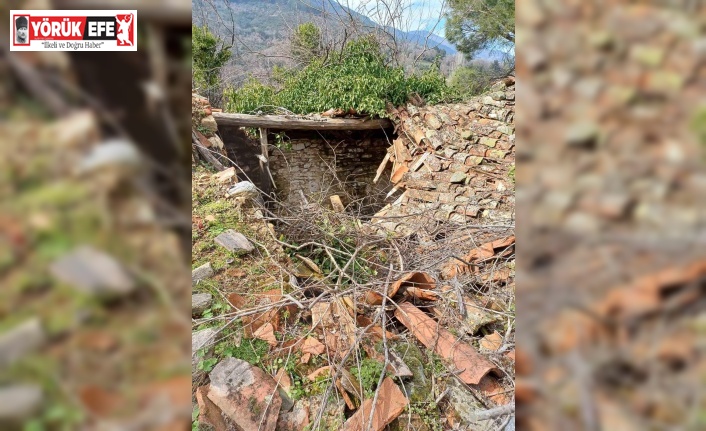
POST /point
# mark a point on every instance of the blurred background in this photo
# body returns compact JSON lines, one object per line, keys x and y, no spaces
{"x":95,"y":228}
{"x":610,"y":203}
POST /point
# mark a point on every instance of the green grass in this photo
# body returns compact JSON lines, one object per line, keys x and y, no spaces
{"x":253,"y":351}
{"x":368,"y":374}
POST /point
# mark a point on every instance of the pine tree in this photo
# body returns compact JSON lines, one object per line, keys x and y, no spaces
{"x":474,"y":25}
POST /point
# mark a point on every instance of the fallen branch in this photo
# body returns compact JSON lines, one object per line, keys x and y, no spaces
{"x":495,"y":412}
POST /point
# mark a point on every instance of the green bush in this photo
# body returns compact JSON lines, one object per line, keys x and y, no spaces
{"x":432,"y":85}
{"x":470,"y":80}
{"x":209,"y":55}
{"x":249,"y":98}
{"x":359,"y":78}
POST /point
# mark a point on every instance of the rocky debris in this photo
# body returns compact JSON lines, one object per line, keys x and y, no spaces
{"x":60,"y":183}
{"x":164,"y":407}
{"x":244,"y":189}
{"x":234,"y":241}
{"x":460,"y":167}
{"x":200,"y":302}
{"x":636,"y":208}
{"x":202,"y":339}
{"x":246,"y":394}
{"x":202,"y":121}
{"x":93,"y":272}
{"x":209,"y":414}
{"x":463,"y":401}
{"x":226,"y":175}
{"x":209,"y":123}
{"x":19,"y":403}
{"x":296,"y":420}
{"x":201,"y":273}
{"x":21,"y":340}
{"x":472,"y":412}
{"x":335,"y":323}
{"x":391,"y":403}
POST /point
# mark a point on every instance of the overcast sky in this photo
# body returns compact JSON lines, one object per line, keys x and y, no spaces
{"x":418,"y":14}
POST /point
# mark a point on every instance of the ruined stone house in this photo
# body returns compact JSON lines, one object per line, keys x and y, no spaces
{"x":446,"y":163}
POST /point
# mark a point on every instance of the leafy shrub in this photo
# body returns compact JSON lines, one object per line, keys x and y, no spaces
{"x":209,"y":55}
{"x":249,"y":98}
{"x":431,"y":85}
{"x":359,"y":78}
{"x":470,"y":80}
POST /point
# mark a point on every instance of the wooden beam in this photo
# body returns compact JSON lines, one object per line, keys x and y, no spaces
{"x":381,"y":168}
{"x":265,"y":161}
{"x":284,"y":122}
{"x":263,"y":148}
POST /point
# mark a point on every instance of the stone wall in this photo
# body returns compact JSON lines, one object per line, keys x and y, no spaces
{"x":318,"y":164}
{"x":334,"y":163}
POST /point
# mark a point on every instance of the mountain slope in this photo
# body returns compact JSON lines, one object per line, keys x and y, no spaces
{"x":262,"y":22}
{"x":421,"y":37}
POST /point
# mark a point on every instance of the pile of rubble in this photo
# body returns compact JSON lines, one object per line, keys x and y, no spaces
{"x":454,"y":163}
{"x":403,"y":331}
{"x":205,"y":141}
{"x":340,"y":328}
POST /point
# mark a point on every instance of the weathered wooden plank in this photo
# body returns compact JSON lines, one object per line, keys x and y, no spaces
{"x":284,"y":122}
{"x":381,"y":168}
{"x":265,"y":160}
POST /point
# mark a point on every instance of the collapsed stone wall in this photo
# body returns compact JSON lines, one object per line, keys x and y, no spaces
{"x":453,"y":162}
{"x":204,"y":125}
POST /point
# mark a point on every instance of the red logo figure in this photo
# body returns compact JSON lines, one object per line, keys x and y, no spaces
{"x":125,"y":36}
